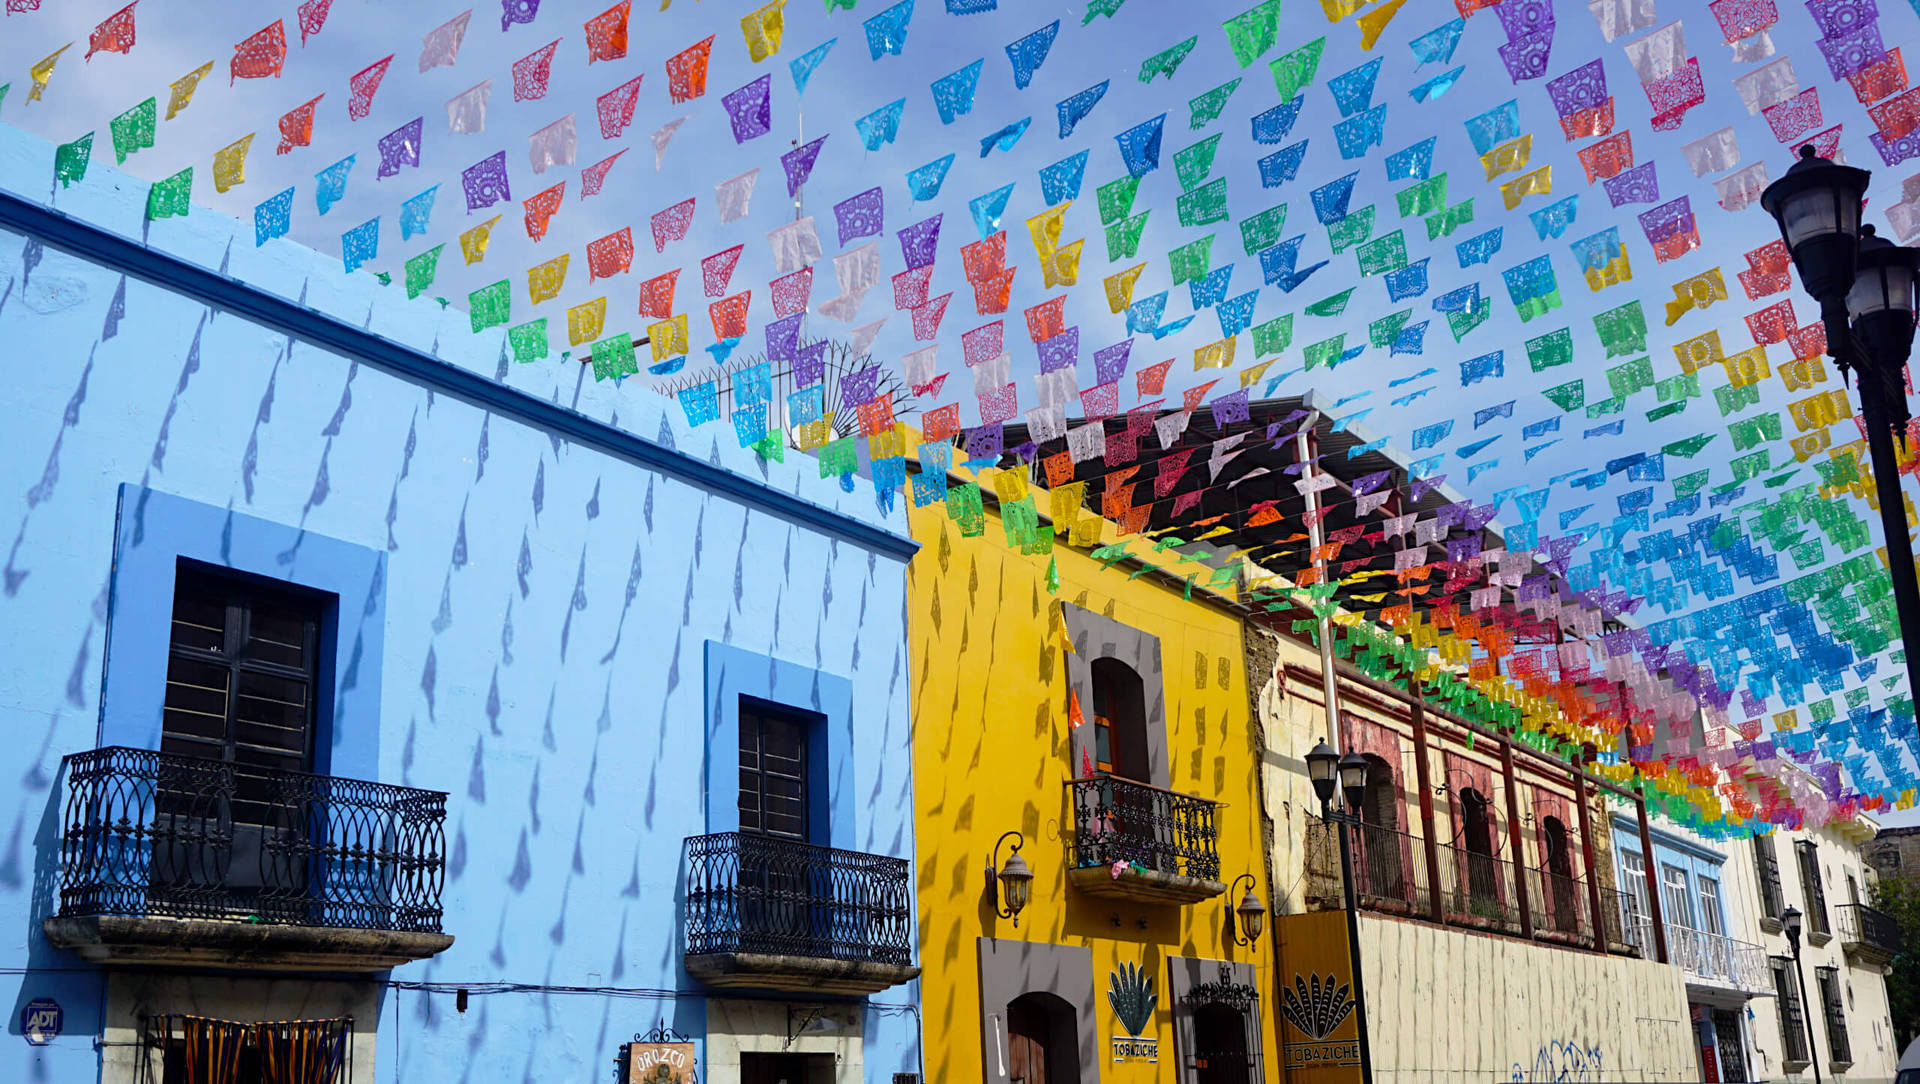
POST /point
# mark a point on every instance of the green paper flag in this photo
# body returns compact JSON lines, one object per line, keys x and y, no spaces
{"x":1326,"y":352}
{"x":172,"y":197}
{"x":1191,"y":260}
{"x":1346,"y":232}
{"x":1442,"y":223}
{"x":1666,"y":411}
{"x":1625,"y":379}
{"x":1461,"y":322}
{"x":1123,"y":238}
{"x":1604,"y":407}
{"x":1167,"y":62}
{"x":1748,"y":467}
{"x":1273,"y":336}
{"x":1116,"y":199}
{"x":529,"y":340}
{"x":1569,"y":396}
{"x":1206,"y":108}
{"x":1252,"y":32}
{"x":70,"y":159}
{"x":1732,"y":400}
{"x":1262,"y":231}
{"x":1332,"y":306}
{"x":1192,"y":164}
{"x":421,"y":270}
{"x":1383,"y":254}
{"x":1296,"y":69}
{"x":1384,"y":331}
{"x":1623,"y":330}
{"x":1424,"y":198}
{"x":1097,"y":8}
{"x":613,"y":357}
{"x":773,"y":446}
{"x":1755,"y":431}
{"x":1677,"y":388}
{"x":1687,"y":449}
{"x":489,"y":306}
{"x":1204,"y":205}
{"x":133,"y":130}
{"x":4,"y":87}
{"x":1553,"y":349}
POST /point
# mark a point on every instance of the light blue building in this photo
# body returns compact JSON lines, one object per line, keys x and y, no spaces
{"x":368,"y":696}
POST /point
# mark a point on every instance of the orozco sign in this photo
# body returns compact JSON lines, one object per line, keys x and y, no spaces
{"x":660,"y":1063}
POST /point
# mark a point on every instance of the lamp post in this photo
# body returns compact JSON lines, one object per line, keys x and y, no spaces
{"x":1864,"y":286}
{"x":1251,"y":913}
{"x":1013,"y":881}
{"x":1328,"y":770}
{"x":1790,"y":920}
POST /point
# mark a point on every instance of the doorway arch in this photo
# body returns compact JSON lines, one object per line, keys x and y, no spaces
{"x":1220,"y":1045}
{"x":1043,"y":1040}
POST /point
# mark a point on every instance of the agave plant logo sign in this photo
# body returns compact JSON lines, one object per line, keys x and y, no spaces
{"x":1316,"y":1008}
{"x":1131,"y":992}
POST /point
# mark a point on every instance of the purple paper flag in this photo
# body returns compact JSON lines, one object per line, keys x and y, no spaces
{"x":1636,"y":185}
{"x":860,"y":215}
{"x":517,"y":11}
{"x":401,"y":147}
{"x":1062,"y":351}
{"x":798,"y":164}
{"x":485,"y":182}
{"x":1110,"y":362}
{"x":1585,"y":87}
{"x":750,"y":108}
{"x":919,"y":241}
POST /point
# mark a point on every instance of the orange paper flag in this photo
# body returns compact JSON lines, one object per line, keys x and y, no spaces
{"x":296,"y":127}
{"x":607,"y":33}
{"x":261,"y":55}
{"x":541,"y":209}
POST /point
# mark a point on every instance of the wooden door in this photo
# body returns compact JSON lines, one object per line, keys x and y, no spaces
{"x":1027,"y":1028}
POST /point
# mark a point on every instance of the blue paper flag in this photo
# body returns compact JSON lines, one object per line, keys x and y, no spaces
{"x":1144,"y":315}
{"x":882,"y":125}
{"x":887,"y":31}
{"x":1140,"y":145}
{"x":1553,"y":219}
{"x":272,"y":218}
{"x":1073,"y":110}
{"x":1274,"y":125}
{"x":1468,"y":451}
{"x":1211,"y":288}
{"x":1436,"y":46}
{"x":1412,"y":339}
{"x":1495,"y":126}
{"x":1463,"y":299}
{"x":1541,"y":428}
{"x":1596,"y":250}
{"x":1487,"y":414}
{"x":953,"y":94}
{"x":1479,"y":248}
{"x":1060,"y":181}
{"x":1358,"y":134}
{"x":924,"y":182}
{"x":1429,"y":436}
{"x":1474,"y":370}
{"x":1005,"y":138}
{"x":1408,"y":281}
{"x":415,"y":212}
{"x":1282,"y":165}
{"x":1236,"y":314}
{"x":1436,"y":86}
{"x":1414,"y":163}
{"x":331,"y":183}
{"x":987,"y":210}
{"x":1030,"y":52}
{"x":1353,"y":90}
{"x":1330,"y":200}
{"x":803,"y":65}
{"x":968,"y":7}
{"x":360,"y":244}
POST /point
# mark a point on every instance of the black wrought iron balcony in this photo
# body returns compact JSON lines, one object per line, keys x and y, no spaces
{"x":776,"y":914}
{"x":169,"y":859}
{"x":1867,"y":935}
{"x":1144,"y":843}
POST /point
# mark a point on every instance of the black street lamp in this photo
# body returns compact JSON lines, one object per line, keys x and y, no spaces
{"x":1791,"y":920}
{"x":1328,"y":770}
{"x":1864,"y":286}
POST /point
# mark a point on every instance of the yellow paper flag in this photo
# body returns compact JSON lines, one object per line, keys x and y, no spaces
{"x":1120,"y":287}
{"x":1010,"y":485}
{"x":1617,"y":270}
{"x":1537,"y":183}
{"x":1374,"y":22}
{"x":1249,"y":376}
{"x":184,"y":87}
{"x":473,"y":242}
{"x":816,"y":433}
{"x":1339,"y":9}
{"x":1508,"y":157}
{"x":1697,"y":292}
{"x":585,"y":322}
{"x":1698,"y":352}
{"x":230,"y":163}
{"x":1802,"y":374}
{"x":544,"y":280}
{"x":1216,"y":355}
{"x":668,"y":337}
{"x":763,"y":29}
{"x":1044,"y":228}
{"x":1746,"y":367}
{"x":1805,"y":448}
{"x":1064,"y":268}
{"x":42,"y":72}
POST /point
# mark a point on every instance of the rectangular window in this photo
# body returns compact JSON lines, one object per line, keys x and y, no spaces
{"x":773,"y":771}
{"x":1810,"y":888}
{"x":1710,"y":905}
{"x":242,"y":677}
{"x":202,"y":1050}
{"x":1633,"y":872}
{"x":1793,"y":1023}
{"x":1766,"y":866}
{"x":1673,"y":896}
{"x":1838,"y":1048}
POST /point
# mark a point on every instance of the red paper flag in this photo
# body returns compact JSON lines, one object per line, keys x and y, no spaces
{"x":313,"y":16}
{"x":364,"y":84}
{"x":595,"y":175}
{"x":607,"y":33}
{"x":926,"y":318}
{"x":717,"y":270}
{"x":1152,"y":379}
{"x":687,"y":71}
{"x":983,"y":343}
{"x":994,"y":293}
{"x":260,"y":56}
{"x":1607,"y":157}
{"x":530,"y":72}
{"x":1075,"y":717}
{"x":615,"y":107}
{"x":541,"y":208}
{"x":790,"y":292}
{"x":940,"y":423}
{"x":984,"y":259}
{"x":671,"y":224}
{"x":656,"y":295}
{"x":730,"y":317}
{"x":114,"y":34}
{"x":610,"y":255}
{"x":1047,"y":319}
{"x":1059,"y":469}
{"x":296,"y":127}
{"x":910,"y":288}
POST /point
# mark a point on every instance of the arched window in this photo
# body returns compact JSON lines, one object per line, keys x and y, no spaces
{"x":1043,"y":1040}
{"x":1220,"y":1045}
{"x":1380,"y":866}
{"x":1562,"y":900}
{"x":1120,"y":721}
{"x":1477,"y":831}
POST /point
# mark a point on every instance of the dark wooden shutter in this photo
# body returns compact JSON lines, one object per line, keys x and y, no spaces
{"x":773,"y":772}
{"x":1839,"y":1048}
{"x":1810,"y":886}
{"x":1766,"y":865}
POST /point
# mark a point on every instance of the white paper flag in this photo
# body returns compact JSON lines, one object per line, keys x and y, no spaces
{"x":553,"y":145}
{"x":1905,"y":220}
{"x":1087,"y":442}
{"x":862,"y":338}
{"x":1411,"y":557}
{"x":735,"y":194}
{"x":1169,"y":427}
{"x":921,"y":363}
{"x":1367,"y":504}
{"x":1222,"y":454}
{"x":1057,"y":388}
{"x":1659,"y":54}
{"x":858,"y":271}
{"x":1618,"y":18}
{"x":467,"y":111}
{"x":662,"y":136}
{"x":1713,"y":152}
{"x":1046,"y":423}
{"x":843,"y":308}
{"x":1316,"y":483}
{"x":1764,"y":86}
{"x":995,"y":373}
{"x":795,"y":245}
{"x":1753,"y":47}
{"x":1743,"y":187}
{"x":441,"y":45}
{"x":1398,"y":526}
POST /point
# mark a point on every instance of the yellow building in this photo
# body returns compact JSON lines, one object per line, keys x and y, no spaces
{"x":1108,"y":724}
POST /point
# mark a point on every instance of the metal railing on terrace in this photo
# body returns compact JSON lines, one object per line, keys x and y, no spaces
{"x":765,"y":895}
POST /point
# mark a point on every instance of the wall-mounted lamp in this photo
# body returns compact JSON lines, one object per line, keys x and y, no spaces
{"x":1014,"y":881}
{"x":1253,"y":916}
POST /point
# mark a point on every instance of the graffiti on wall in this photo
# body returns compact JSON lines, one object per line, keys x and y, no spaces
{"x":1560,"y":1060}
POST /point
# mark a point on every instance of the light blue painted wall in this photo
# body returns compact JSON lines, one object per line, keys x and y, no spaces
{"x":1670,"y":850}
{"x":538,"y":625}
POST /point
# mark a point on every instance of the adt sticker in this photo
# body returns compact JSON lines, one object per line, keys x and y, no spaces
{"x":40,"y":1020}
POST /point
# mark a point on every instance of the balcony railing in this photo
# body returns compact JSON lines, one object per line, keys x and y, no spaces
{"x":1389,"y":870}
{"x":1559,"y":905}
{"x":1120,"y":822}
{"x":150,"y":834}
{"x":1713,"y":958}
{"x":1869,"y":934}
{"x":754,"y":895}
